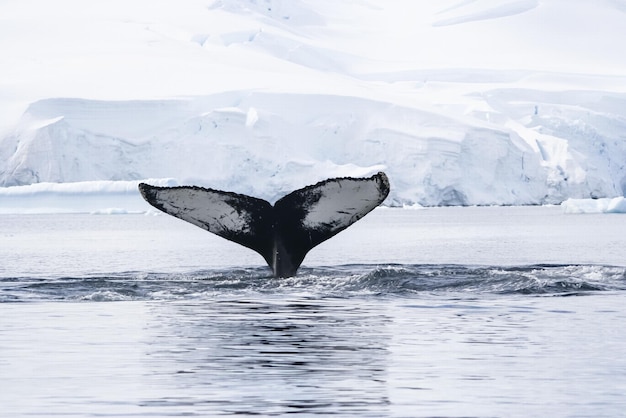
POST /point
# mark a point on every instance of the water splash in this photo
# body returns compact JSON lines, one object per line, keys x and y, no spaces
{"x":338,"y":281}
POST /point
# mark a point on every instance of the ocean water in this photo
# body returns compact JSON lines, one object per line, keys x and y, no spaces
{"x":438,"y":312}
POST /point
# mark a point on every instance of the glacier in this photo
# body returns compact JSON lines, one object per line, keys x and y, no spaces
{"x":460,"y":103}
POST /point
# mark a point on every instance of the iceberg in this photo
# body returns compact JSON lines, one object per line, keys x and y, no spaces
{"x":606,"y":205}
{"x":458,"y":102}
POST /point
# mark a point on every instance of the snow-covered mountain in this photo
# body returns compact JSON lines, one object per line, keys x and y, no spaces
{"x":460,"y":102}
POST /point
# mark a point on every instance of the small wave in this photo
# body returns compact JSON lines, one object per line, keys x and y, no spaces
{"x":529,"y":280}
{"x":336,"y":281}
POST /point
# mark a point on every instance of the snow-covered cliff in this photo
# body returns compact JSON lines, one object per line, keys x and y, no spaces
{"x":482,"y":102}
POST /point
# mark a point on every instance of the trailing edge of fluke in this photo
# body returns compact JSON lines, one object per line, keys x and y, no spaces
{"x":283,"y":233}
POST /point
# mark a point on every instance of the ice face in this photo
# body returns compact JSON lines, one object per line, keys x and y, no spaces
{"x":281,"y":96}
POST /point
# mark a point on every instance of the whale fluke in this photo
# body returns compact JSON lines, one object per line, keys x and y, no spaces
{"x":284,"y":233}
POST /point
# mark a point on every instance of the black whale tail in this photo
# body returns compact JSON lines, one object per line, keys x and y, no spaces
{"x":284,"y":233}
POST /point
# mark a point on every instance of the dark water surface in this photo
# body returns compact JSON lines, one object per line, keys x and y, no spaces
{"x":114,"y":316}
{"x":346,"y":281}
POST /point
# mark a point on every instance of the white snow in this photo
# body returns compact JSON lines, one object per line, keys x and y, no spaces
{"x":478,"y":102}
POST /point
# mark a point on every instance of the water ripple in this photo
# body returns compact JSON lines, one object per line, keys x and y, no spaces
{"x":338,"y":281}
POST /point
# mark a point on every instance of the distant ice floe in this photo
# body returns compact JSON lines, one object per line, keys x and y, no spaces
{"x":83,"y":187}
{"x":94,"y":197}
{"x":607,"y":205}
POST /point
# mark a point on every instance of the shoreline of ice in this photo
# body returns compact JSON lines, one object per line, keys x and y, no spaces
{"x":603,"y":205}
{"x":122,"y":197}
{"x":95,"y":197}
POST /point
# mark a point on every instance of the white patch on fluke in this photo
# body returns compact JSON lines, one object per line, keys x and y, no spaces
{"x":204,"y":209}
{"x":342,"y":203}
